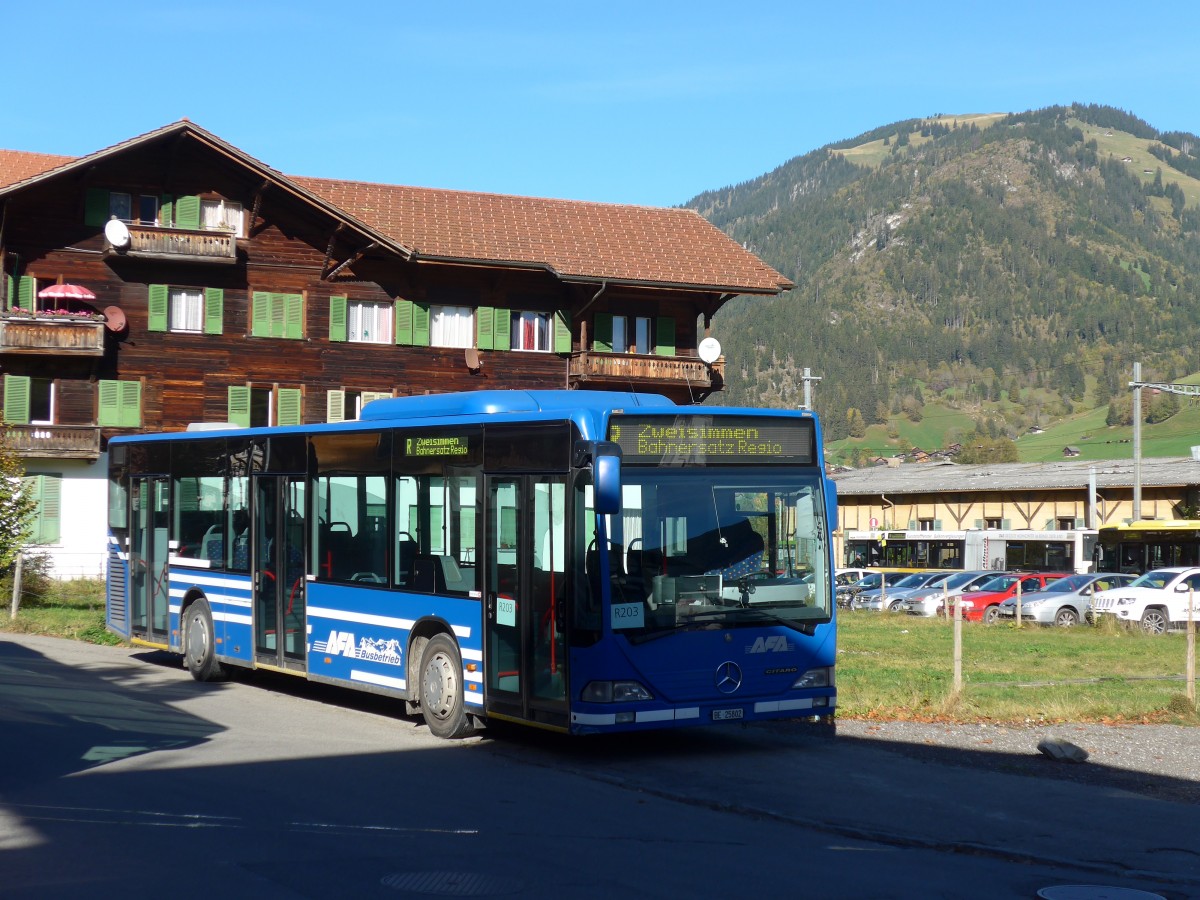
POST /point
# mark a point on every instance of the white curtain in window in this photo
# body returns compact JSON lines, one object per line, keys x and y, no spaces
{"x":222,"y":215}
{"x":369,"y":322}
{"x":187,"y":310}
{"x":452,"y":326}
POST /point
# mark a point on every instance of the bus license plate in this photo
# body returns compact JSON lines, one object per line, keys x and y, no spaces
{"x":719,"y":714}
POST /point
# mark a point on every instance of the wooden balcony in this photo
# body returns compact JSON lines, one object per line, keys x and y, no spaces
{"x":625,"y":369}
{"x":51,"y":335}
{"x":155,"y":242}
{"x":53,"y":441}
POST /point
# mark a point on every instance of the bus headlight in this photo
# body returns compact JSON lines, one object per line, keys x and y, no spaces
{"x":614,"y":692}
{"x":815,"y":678}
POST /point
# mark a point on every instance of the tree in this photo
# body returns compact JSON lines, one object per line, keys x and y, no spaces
{"x":979,"y":448}
{"x":16,"y":506}
{"x":858,"y":427}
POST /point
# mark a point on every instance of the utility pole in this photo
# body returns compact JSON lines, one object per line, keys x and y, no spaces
{"x":809,"y":379}
{"x":1184,"y":390}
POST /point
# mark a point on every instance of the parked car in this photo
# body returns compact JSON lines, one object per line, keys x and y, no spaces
{"x":982,"y":604}
{"x":847,"y":577}
{"x":869,"y":581}
{"x":878,"y":599}
{"x":768,"y":587}
{"x":925,"y":601}
{"x":1063,"y":602}
{"x":1155,"y":601}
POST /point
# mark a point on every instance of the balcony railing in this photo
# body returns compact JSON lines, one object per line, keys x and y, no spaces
{"x":53,"y":441}
{"x":635,"y":368}
{"x":54,"y":335}
{"x":156,"y":242}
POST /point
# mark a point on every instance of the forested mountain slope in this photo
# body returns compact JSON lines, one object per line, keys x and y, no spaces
{"x":1006,"y":267}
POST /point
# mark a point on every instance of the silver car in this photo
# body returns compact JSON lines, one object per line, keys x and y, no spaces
{"x":925,"y":602}
{"x":1063,"y":602}
{"x":876,"y":598}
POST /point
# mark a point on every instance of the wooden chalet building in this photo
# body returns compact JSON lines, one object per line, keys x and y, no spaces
{"x":173,"y":279}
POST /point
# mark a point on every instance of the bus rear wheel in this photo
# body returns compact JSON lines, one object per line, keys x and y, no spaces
{"x":442,"y":702}
{"x":199,"y":642}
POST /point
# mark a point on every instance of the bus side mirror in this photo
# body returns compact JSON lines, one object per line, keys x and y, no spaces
{"x":605,"y":458}
{"x":606,"y":473}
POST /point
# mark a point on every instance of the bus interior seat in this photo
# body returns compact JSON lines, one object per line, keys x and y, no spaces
{"x":406,"y":554}
{"x":212,"y":545}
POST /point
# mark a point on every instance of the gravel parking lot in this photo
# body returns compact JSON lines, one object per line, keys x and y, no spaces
{"x":1157,"y":760}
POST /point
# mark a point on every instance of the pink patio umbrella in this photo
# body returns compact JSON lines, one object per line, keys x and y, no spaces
{"x":72,"y":293}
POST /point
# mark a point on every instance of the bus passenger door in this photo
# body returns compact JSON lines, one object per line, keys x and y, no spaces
{"x":525,"y":583}
{"x":148,"y":552}
{"x":279,"y":571}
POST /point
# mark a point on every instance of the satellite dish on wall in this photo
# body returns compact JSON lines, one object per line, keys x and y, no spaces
{"x":117,"y":233}
{"x":709,"y":350}
{"x":114,"y":319}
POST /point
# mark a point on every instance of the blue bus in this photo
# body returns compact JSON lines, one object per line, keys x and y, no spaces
{"x":580,"y":561}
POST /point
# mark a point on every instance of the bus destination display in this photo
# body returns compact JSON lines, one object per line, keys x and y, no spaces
{"x":693,"y":440}
{"x":436,"y":445}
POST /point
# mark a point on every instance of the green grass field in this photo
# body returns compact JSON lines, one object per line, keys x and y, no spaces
{"x":901,"y":667}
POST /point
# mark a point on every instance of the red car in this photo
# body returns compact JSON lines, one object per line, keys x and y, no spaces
{"x":983,"y":604}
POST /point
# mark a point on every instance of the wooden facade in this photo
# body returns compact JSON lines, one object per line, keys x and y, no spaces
{"x":236,"y":294}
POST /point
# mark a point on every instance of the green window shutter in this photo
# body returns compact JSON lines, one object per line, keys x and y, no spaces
{"x":979,"y":523}
{"x":503,"y":331}
{"x":262,"y":303}
{"x":912,"y":524}
{"x":1049,"y":526}
{"x":293,"y":316}
{"x":108,"y":415}
{"x":278,"y":314}
{"x":166,"y":210}
{"x":187,"y":212}
{"x":26,"y":293}
{"x":1078,"y":522}
{"x":404,"y":321}
{"x":289,"y":406}
{"x":1006,"y":524}
{"x":562,"y":331}
{"x":157,"y":307}
{"x":603,"y":333}
{"x":214,"y":310}
{"x":335,"y":406}
{"x":238,"y":404}
{"x":48,"y":492}
{"x":937,"y":524}
{"x":421,"y":324}
{"x":337,"y":319}
{"x":129,"y":399}
{"x":95,"y":207}
{"x":16,"y":399}
{"x":10,"y":292}
{"x":485,"y":326}
{"x":664,"y":337}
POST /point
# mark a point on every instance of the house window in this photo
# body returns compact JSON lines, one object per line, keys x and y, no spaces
{"x":277,"y":315}
{"x":120,"y":404}
{"x":993,"y":524}
{"x":926,"y":524}
{"x":46,"y":491}
{"x":1066,"y":523}
{"x":259,"y":406}
{"x":28,"y":400}
{"x":147,"y":209}
{"x":369,"y":322}
{"x":624,"y":334}
{"x":452,"y":326}
{"x":221,"y":215}
{"x":345,"y":406}
{"x":186,"y":310}
{"x":121,"y":206}
{"x":531,"y":331}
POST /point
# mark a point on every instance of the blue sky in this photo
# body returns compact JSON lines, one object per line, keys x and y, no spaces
{"x":627,"y":102}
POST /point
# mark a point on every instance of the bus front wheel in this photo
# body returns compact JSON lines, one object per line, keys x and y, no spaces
{"x":199,"y":643}
{"x":442,"y":689}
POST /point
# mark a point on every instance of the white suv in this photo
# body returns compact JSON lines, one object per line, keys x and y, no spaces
{"x":1156,"y":601}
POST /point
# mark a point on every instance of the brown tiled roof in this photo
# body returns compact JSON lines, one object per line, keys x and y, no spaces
{"x":576,"y":239}
{"x":17,"y":165}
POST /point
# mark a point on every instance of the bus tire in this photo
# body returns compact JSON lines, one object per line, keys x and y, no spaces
{"x":442,"y":702}
{"x":199,"y":642}
{"x":1154,"y":620}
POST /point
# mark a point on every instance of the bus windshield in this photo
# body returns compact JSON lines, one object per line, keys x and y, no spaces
{"x":705,"y":550}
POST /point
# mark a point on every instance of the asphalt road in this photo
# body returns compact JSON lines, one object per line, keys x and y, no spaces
{"x":121,"y":777}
